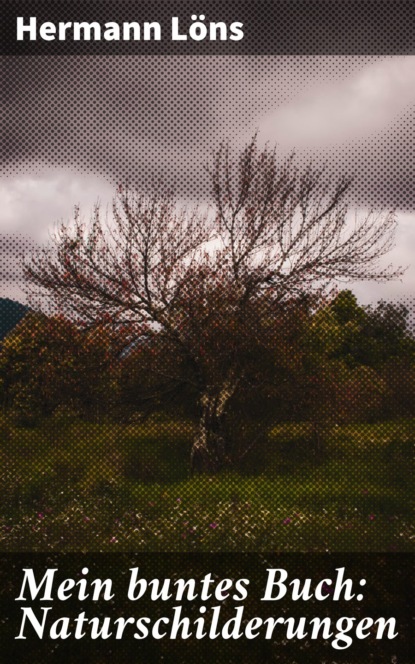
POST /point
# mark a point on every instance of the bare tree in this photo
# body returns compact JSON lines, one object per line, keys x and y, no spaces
{"x":208,"y":283}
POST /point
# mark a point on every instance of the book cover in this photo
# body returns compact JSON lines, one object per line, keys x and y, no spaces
{"x":207,"y":359}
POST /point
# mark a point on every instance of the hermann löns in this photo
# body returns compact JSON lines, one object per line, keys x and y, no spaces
{"x":199,"y":29}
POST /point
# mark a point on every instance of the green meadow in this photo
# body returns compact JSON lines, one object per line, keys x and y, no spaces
{"x":68,"y":485}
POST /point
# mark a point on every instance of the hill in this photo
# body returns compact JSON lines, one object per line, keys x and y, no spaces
{"x":11,"y":313}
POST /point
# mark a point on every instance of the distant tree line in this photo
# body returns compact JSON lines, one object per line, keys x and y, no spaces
{"x":332,"y":363}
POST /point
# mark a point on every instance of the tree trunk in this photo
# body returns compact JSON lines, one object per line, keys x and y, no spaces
{"x":211,"y":446}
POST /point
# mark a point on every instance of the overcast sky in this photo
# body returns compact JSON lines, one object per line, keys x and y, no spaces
{"x":74,"y":127}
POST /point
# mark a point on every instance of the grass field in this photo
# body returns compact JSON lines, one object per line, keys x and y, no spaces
{"x":68,"y":486}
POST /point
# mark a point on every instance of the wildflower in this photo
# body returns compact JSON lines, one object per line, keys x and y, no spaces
{"x":287,"y":521}
{"x":371,"y":517}
{"x":40,"y":515}
{"x":179,"y":500}
{"x":87,"y":519}
{"x":113,"y":540}
{"x":213,"y":525}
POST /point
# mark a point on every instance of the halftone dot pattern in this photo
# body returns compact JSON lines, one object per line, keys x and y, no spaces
{"x":142,"y":120}
{"x":139,"y":120}
{"x":110,"y":381}
{"x":87,"y":465}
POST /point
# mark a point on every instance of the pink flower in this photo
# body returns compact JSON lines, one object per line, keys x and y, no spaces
{"x":40,"y":515}
{"x":113,"y":540}
{"x":372,"y":517}
{"x":213,"y":525}
{"x":287,"y":521}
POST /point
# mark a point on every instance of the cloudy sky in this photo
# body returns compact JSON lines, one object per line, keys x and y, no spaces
{"x":74,"y":127}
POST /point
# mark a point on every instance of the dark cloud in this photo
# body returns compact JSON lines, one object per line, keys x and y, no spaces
{"x":73,"y":127}
{"x":141,"y":119}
